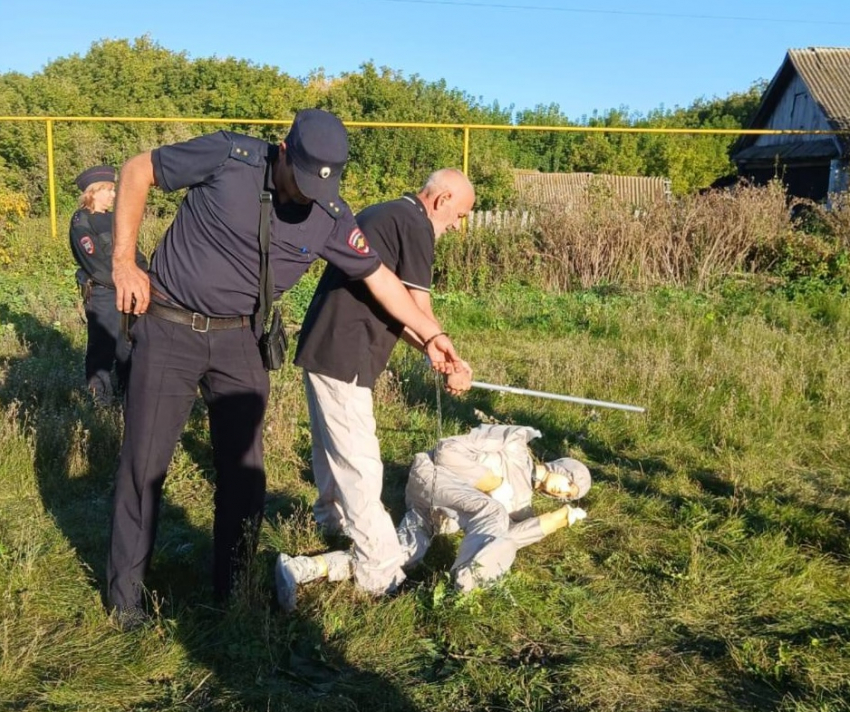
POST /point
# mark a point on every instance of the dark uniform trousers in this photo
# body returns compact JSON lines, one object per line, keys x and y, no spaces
{"x":106,"y":345}
{"x":170,"y":361}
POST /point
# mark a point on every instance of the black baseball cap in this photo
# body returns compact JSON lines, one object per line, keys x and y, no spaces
{"x":98,"y":174}
{"x":317,"y":145}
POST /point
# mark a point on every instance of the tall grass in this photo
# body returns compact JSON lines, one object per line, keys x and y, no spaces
{"x":692,"y":241}
{"x":713,"y":571}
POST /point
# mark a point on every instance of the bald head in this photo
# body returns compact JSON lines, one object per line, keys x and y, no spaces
{"x":448,"y":196}
{"x":447,"y":179}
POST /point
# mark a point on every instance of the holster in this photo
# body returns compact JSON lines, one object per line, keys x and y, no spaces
{"x":85,"y":290}
{"x":273,"y":343}
{"x":127,"y":321}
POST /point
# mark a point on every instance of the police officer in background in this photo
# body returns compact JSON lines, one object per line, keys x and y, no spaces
{"x":199,"y":329}
{"x":91,"y":244}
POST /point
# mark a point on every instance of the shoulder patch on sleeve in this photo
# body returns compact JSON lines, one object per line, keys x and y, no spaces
{"x":246,"y":150}
{"x":357,"y":241}
{"x":87,"y":244}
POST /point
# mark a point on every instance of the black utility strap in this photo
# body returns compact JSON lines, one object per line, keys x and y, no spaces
{"x":266,"y":271}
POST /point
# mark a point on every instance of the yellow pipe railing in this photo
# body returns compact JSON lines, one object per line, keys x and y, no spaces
{"x":466,"y":128}
{"x":51,"y":184}
{"x":466,"y":150}
{"x":422,"y":125}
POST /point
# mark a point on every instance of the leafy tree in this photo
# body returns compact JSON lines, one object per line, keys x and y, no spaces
{"x":140,"y":78}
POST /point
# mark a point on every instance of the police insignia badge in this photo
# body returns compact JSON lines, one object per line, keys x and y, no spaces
{"x":357,"y":241}
{"x":87,"y":244}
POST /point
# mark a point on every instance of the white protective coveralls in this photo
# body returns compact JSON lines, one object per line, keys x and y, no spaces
{"x":442,"y":487}
{"x":442,"y":497}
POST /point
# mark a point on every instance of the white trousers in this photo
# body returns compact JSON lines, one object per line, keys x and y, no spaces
{"x":349,"y":475}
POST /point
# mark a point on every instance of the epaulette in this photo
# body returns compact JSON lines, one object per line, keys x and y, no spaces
{"x":247,"y":149}
{"x":81,"y":217}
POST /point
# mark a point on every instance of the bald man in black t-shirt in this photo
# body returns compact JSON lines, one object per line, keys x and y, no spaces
{"x":345,"y":344}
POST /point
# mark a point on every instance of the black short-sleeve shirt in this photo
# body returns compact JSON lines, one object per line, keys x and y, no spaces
{"x":346,"y":333}
{"x":209,"y":259}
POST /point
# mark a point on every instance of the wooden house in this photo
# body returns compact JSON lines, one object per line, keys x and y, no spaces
{"x":810,"y":92}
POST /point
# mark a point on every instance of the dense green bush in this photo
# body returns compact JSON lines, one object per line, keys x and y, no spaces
{"x":140,"y":78}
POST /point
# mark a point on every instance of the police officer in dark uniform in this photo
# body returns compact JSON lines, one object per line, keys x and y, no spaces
{"x":199,"y":327}
{"x":91,"y":244}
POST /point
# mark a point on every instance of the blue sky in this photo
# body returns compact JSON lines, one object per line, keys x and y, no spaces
{"x":583,"y":55}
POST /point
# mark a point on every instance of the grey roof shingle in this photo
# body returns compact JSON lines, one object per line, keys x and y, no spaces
{"x":826,"y":72}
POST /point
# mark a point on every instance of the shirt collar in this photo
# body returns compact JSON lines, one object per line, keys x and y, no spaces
{"x":420,"y":206}
{"x":412,"y":198}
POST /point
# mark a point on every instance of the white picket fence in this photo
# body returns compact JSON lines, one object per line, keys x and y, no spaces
{"x":500,"y":220}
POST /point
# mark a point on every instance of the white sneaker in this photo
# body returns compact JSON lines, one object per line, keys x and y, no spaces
{"x":285,"y":583}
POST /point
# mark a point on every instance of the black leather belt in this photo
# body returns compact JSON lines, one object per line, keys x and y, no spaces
{"x":198,"y":322}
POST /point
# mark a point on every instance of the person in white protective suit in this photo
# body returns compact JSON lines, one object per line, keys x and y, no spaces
{"x":480,"y":483}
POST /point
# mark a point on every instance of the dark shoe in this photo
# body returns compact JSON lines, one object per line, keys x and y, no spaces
{"x":127,"y":619}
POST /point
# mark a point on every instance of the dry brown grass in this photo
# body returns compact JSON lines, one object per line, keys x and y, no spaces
{"x":837,"y":219}
{"x":692,"y":241}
